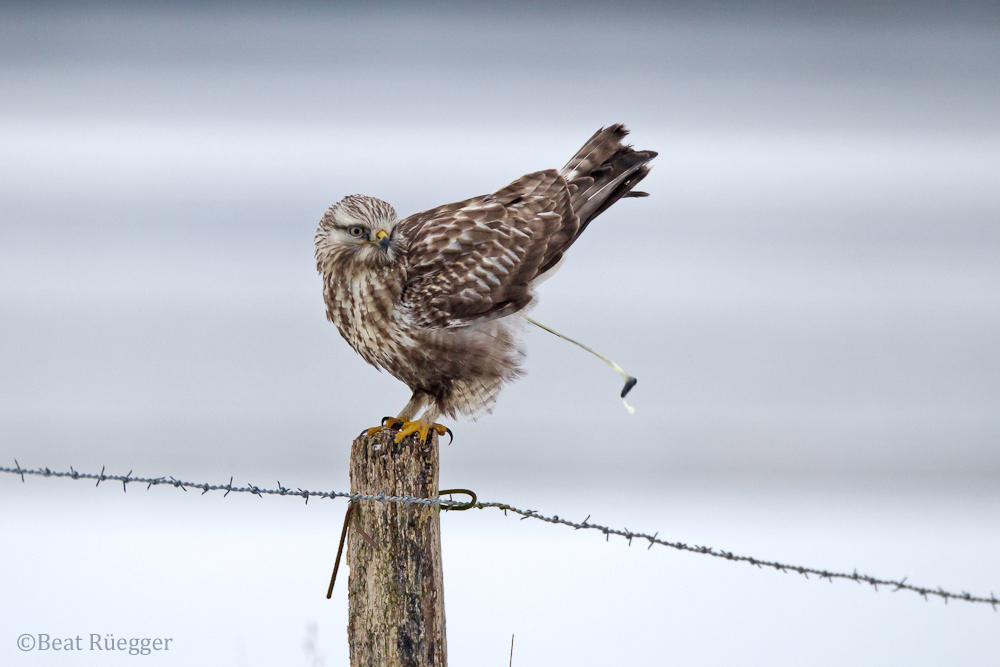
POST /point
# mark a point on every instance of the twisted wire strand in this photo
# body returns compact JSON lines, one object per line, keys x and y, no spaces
{"x":446,"y":504}
{"x":728,"y":555}
{"x":228,"y":488}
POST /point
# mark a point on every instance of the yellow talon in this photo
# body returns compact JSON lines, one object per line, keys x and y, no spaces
{"x":422,"y":428}
{"x":390,"y":423}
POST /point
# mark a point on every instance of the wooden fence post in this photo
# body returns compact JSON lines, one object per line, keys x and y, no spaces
{"x":395,"y":589}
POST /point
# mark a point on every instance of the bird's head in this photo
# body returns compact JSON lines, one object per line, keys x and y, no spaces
{"x":359,"y":231}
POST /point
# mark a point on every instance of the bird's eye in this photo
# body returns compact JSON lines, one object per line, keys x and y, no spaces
{"x":357,"y":231}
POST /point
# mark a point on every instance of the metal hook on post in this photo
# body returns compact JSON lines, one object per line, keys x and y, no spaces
{"x":458,"y":507}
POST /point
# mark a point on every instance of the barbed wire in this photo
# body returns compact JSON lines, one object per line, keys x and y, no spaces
{"x":446,"y":504}
{"x":228,"y":488}
{"x":728,"y":555}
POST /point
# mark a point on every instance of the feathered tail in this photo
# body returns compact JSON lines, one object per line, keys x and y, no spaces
{"x":604,"y":171}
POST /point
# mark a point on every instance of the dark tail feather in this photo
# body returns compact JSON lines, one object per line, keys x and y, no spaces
{"x":623,"y":189}
{"x":604,"y":171}
{"x":595,"y":152}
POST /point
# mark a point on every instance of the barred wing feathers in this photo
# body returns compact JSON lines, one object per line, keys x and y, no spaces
{"x":475,"y":260}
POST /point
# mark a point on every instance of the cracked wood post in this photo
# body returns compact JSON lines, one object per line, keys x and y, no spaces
{"x":396,"y":590}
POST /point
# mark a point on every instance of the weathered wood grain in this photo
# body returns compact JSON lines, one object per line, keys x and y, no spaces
{"x":395,"y":591}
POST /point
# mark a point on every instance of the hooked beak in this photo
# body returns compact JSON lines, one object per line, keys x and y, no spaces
{"x":382,"y":239}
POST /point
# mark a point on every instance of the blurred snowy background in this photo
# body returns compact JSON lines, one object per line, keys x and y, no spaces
{"x":810,"y":299}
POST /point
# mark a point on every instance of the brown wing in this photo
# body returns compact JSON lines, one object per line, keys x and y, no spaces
{"x":475,"y":260}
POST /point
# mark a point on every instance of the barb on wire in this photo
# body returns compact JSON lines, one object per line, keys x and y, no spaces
{"x":445,"y":504}
{"x":229,"y":488}
{"x":728,"y":555}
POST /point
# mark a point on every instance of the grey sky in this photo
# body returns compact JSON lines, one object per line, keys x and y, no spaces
{"x":811,"y":289}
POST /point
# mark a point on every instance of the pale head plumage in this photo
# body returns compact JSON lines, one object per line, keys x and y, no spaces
{"x":358,"y":231}
{"x":438,"y":299}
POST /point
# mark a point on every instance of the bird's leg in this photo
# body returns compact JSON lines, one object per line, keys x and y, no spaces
{"x":416,"y":402}
{"x":423,"y":426}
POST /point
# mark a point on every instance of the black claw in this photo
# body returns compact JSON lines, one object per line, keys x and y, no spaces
{"x":395,"y":423}
{"x":451,"y":436}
